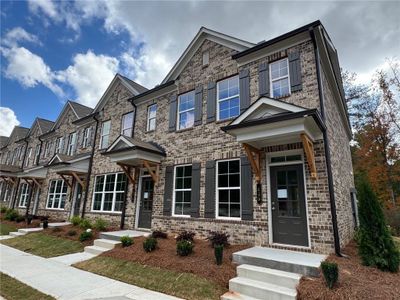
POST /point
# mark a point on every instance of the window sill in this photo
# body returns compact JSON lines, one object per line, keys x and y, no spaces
{"x":56,"y":209}
{"x":229,"y":218}
{"x":226,"y":120}
{"x":184,"y":130}
{"x":150,"y":131}
{"x":181,"y":216}
{"x":104,"y":212}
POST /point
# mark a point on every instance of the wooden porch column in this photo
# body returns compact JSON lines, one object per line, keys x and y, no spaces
{"x":253,"y":154}
{"x":309,"y":150}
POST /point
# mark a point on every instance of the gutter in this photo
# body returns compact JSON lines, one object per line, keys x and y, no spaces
{"x":326,"y":147}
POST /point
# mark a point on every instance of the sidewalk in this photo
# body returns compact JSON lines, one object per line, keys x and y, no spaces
{"x":64,"y":282}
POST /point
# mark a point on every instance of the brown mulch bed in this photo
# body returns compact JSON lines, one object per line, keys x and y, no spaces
{"x":62,"y":232}
{"x":34,"y":223}
{"x":201,"y":262}
{"x":355,"y":281}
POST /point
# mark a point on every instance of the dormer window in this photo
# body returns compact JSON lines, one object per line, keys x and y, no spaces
{"x":280,"y":85}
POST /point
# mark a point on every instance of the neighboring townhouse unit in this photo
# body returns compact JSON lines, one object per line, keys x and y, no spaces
{"x":249,"y":139}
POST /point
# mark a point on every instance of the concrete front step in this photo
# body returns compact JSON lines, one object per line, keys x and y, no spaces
{"x":29,"y":230}
{"x":261,"y":290}
{"x":278,"y":277}
{"x":16,"y":233}
{"x":284,"y":260}
{"x":59,"y":224}
{"x":107,"y":244}
{"x":116,"y":235}
{"x":236,"y":296}
{"x":95,"y":250}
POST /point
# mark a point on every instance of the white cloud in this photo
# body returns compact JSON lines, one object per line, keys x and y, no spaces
{"x":45,"y":6}
{"x":17,"y":35}
{"x":89,"y":76}
{"x":8,"y":121}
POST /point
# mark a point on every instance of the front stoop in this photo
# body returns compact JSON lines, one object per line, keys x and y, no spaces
{"x":116,"y":235}
{"x":101,"y":245}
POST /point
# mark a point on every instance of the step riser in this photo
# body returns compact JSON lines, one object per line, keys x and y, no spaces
{"x":16,"y":233}
{"x":25,"y":231}
{"x":104,"y":244}
{"x":258,"y":292}
{"x":269,"y":278}
{"x":90,"y":250}
{"x":288,"y":267}
{"x":110,"y":237}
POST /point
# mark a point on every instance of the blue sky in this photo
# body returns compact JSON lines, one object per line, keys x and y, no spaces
{"x":55,"y":51}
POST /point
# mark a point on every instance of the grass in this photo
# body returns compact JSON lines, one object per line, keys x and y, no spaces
{"x":44,"y":245}
{"x":184,"y":285}
{"x":5,"y":229}
{"x":397,"y":241}
{"x":12,"y":289}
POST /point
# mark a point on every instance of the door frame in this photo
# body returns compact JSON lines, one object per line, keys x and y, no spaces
{"x":139,"y":198}
{"x":269,"y":202}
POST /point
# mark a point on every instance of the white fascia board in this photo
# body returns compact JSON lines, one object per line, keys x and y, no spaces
{"x":121,"y":138}
{"x":134,"y":156}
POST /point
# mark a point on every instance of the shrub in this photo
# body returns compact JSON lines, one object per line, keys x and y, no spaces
{"x":126,"y":241}
{"x":157,"y":234}
{"x":184,"y":247}
{"x":218,"y":238}
{"x":85,"y":224}
{"x":149,"y":244}
{"x":375,"y":243}
{"x":330,"y":272}
{"x":56,"y":229}
{"x":186,"y":236}
{"x":3,"y":209}
{"x":19,"y":218}
{"x":218,"y":252}
{"x":11,"y":215}
{"x":76,"y":220}
{"x":71,"y":232}
{"x":100,"y":224}
{"x":86,"y":235}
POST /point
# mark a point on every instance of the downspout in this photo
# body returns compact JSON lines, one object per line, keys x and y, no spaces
{"x":89,"y":174}
{"x":326,"y":147}
{"x":26,"y":150}
{"x":40,"y":151}
{"x":15,"y":193}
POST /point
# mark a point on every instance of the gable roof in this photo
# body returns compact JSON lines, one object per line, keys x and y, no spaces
{"x":203,"y":34}
{"x":124,"y":142}
{"x":132,"y":86}
{"x":3,"y":141}
{"x":43,"y":125}
{"x":79,"y":110}
{"x":17,"y":134}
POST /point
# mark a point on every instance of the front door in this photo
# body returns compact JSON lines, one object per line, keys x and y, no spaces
{"x":77,"y":199}
{"x":146,"y":202}
{"x":289,"y":221}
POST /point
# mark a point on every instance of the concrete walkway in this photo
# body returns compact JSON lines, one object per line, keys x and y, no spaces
{"x":65,"y":282}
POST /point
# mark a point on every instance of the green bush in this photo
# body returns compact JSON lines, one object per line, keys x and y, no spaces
{"x":126,"y":241}
{"x":86,"y":235}
{"x":100,"y":224}
{"x":71,"y":232}
{"x":184,"y":247}
{"x":218,"y":252}
{"x":375,"y":243}
{"x":186,"y":236}
{"x":19,"y":218}
{"x":149,"y":244}
{"x":85,"y":224}
{"x":11,"y":215}
{"x":330,"y":272}
{"x":76,"y":220}
{"x":3,"y":209}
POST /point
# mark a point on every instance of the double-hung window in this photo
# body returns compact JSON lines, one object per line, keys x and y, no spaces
{"x":228,"y":98}
{"x":127,"y":124}
{"x":109,"y":192}
{"x":29,"y":157}
{"x":186,"y":110}
{"x":71,"y":144}
{"x":279,"y":71}
{"x":57,"y":194}
{"x":23,"y":198}
{"x":182,"y":190}
{"x":228,"y":188}
{"x":59,"y":144}
{"x":86,"y":137}
{"x":37,"y":152}
{"x":47,"y":149}
{"x":105,"y":134}
{"x":151,"y":117}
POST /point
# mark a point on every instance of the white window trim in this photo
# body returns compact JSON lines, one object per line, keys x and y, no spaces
{"x":174,"y":190}
{"x":59,"y":144}
{"x":226,"y":188}
{"x":102,"y":135}
{"x":86,"y":136}
{"x":271,"y":92}
{"x":149,"y":119}
{"x":72,"y":143}
{"x":54,"y":193}
{"x":131,"y":125}
{"x":181,"y":112}
{"x":103,"y":192}
{"x":37,"y":154}
{"x":24,"y":195}
{"x":226,"y":99}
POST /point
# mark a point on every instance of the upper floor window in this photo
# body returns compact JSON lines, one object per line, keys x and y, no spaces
{"x":57,"y":194}
{"x":279,"y":71}
{"x":228,"y":98}
{"x":59,"y":144}
{"x":21,"y":153}
{"x":86,"y":137}
{"x":105,"y":134}
{"x":47,"y":149}
{"x":71,"y":144}
{"x":8,"y":158}
{"x":151,"y":117}
{"x":37,"y":152}
{"x":13,"y":157}
{"x":186,"y":110}
{"x":109,"y":192}
{"x":23,"y":198}
{"x":182,"y":190}
{"x":28,"y":157}
{"x":127,"y":124}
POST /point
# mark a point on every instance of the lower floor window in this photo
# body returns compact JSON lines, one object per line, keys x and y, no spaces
{"x":109,"y":192}
{"x":23,"y":198}
{"x":182,"y":190}
{"x":57,"y":194}
{"x":5,"y":191}
{"x":228,"y":188}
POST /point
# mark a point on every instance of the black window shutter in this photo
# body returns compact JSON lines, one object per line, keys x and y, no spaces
{"x":244,"y":86}
{"x":295,"y":71}
{"x":198,"y":105}
{"x":168,"y":187}
{"x":246,"y":188}
{"x":211,"y":101}
{"x":195,"y":201}
{"x":263,"y":79}
{"x":209,"y":209}
{"x":172,"y":112}
{"x":91,"y":135}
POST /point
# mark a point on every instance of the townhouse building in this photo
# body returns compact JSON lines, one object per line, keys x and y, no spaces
{"x":249,"y":139}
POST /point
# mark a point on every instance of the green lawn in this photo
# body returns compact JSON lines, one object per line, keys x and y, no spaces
{"x":184,"y":285}
{"x":5,"y":229}
{"x":44,"y":245}
{"x":12,"y":289}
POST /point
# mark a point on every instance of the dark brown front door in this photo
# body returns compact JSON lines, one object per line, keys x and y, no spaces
{"x":289,"y":223}
{"x":146,"y":202}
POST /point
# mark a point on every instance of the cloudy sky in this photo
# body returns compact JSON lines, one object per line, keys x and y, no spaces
{"x":52,"y":51}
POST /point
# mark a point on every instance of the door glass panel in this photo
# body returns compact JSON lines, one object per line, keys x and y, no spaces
{"x":288,"y":193}
{"x":281,"y":175}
